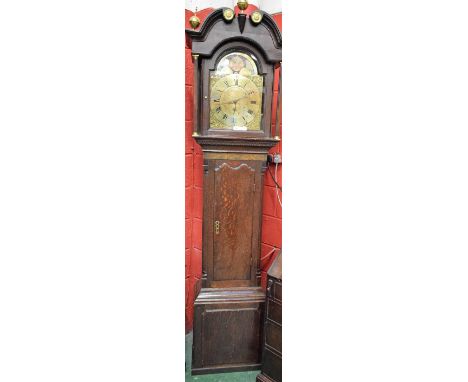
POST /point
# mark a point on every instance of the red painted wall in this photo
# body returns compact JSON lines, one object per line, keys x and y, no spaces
{"x":271,"y":229}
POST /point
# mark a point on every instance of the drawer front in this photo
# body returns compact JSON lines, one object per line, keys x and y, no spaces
{"x":278,"y":291}
{"x":274,"y":311}
{"x":272,"y":365}
{"x":274,"y":289}
{"x":273,"y":335}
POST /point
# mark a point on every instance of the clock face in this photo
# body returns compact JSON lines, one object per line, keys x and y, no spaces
{"x":236,"y":92}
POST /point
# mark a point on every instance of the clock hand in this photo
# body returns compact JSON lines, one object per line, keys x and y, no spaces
{"x":235,"y":101}
{"x":244,"y":96}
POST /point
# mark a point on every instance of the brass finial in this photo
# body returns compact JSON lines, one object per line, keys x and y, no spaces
{"x":194,"y":21}
{"x":242,"y":4}
{"x":256,"y":17}
{"x":228,"y":14}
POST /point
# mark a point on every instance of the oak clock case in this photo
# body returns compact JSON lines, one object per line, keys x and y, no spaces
{"x":233,"y":92}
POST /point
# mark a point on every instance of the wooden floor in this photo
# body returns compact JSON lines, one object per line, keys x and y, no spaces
{"x":248,"y":376}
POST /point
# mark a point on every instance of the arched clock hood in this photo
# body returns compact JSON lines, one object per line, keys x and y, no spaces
{"x":209,"y":42}
{"x":215,"y":31}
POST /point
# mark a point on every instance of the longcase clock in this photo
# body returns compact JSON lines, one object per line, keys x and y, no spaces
{"x":235,"y":57}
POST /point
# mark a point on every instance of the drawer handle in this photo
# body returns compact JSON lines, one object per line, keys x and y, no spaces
{"x":270,"y":284}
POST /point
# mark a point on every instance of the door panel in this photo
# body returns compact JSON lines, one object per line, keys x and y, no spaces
{"x":233,"y":221}
{"x":231,"y":336}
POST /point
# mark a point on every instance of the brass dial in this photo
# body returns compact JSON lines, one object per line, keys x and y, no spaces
{"x":236,"y":102}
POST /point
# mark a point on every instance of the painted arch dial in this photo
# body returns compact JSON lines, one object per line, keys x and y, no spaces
{"x":236,"y":94}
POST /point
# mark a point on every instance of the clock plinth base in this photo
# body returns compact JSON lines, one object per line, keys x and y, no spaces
{"x":227,"y":330}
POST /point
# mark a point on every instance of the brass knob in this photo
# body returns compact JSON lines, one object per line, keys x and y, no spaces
{"x":256,"y":17}
{"x":228,"y":14}
{"x":270,"y":284}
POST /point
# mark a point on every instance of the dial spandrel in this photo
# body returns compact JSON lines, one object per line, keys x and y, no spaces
{"x":236,"y":92}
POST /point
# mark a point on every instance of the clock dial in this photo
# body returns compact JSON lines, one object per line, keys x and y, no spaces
{"x":235,"y":101}
{"x":236,"y":94}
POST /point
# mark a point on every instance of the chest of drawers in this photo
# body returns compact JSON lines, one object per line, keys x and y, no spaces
{"x":271,"y":352}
